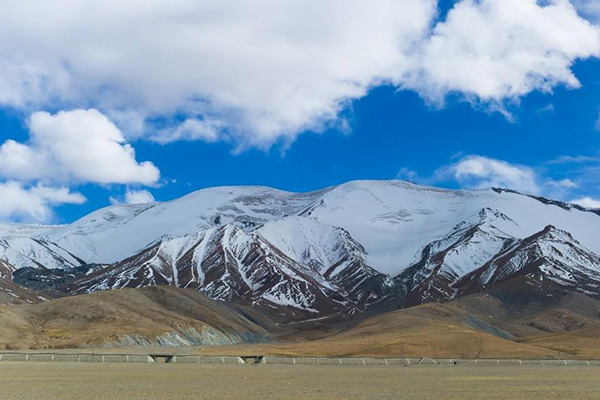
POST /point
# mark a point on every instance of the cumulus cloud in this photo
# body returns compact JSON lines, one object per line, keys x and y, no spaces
{"x":268,"y":69}
{"x":74,"y":146}
{"x":33,"y":204}
{"x":478,"y":172}
{"x":492,"y":50}
{"x":587,"y":202}
{"x":134,"y":197}
{"x":256,"y":72}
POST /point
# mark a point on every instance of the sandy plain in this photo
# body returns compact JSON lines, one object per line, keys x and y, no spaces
{"x":69,"y":381}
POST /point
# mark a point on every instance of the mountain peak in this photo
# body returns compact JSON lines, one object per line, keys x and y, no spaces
{"x":552,"y":233}
{"x":489,"y":214}
{"x":551,"y":253}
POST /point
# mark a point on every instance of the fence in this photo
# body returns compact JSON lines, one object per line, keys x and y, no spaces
{"x":198,"y":359}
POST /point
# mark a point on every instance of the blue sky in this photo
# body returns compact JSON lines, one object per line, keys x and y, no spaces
{"x":525,"y":126}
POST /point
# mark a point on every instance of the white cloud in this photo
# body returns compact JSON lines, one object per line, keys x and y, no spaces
{"x":135,"y":197}
{"x":480,"y":172}
{"x":131,"y":196}
{"x":33,"y":204}
{"x":492,"y":50}
{"x":138,"y":197}
{"x":563,"y":183}
{"x":256,"y":72}
{"x":74,"y":146}
{"x":269,"y":69}
{"x":587,"y":202}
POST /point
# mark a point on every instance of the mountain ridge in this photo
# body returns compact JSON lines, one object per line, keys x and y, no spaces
{"x":359,"y":247}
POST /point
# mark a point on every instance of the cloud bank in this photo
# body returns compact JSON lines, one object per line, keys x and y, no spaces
{"x":259,"y":72}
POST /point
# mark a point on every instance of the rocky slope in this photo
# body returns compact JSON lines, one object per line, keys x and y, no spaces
{"x":478,"y":258}
{"x":443,"y":262}
{"x":549,"y":258}
{"x":13,"y":293}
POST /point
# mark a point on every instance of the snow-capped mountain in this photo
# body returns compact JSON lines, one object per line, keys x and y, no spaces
{"x":117,"y":232}
{"x":25,"y":252}
{"x":443,"y":262}
{"x":347,"y":248}
{"x":333,"y":254}
{"x":227,"y":263}
{"x":392,"y":220}
{"x":551,"y":254}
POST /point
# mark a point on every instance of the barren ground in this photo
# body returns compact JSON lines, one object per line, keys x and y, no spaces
{"x":66,"y":381}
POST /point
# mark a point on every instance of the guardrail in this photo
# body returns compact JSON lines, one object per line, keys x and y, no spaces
{"x":198,"y":359}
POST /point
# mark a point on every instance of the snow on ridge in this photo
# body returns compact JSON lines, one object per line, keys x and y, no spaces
{"x":392,"y":220}
{"x":560,"y":255}
{"x":305,"y":240}
{"x":25,"y":252}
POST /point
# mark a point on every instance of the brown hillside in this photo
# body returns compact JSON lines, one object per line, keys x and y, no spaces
{"x":156,"y":315}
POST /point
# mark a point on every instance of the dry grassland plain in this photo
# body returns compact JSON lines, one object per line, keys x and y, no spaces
{"x":69,"y":381}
